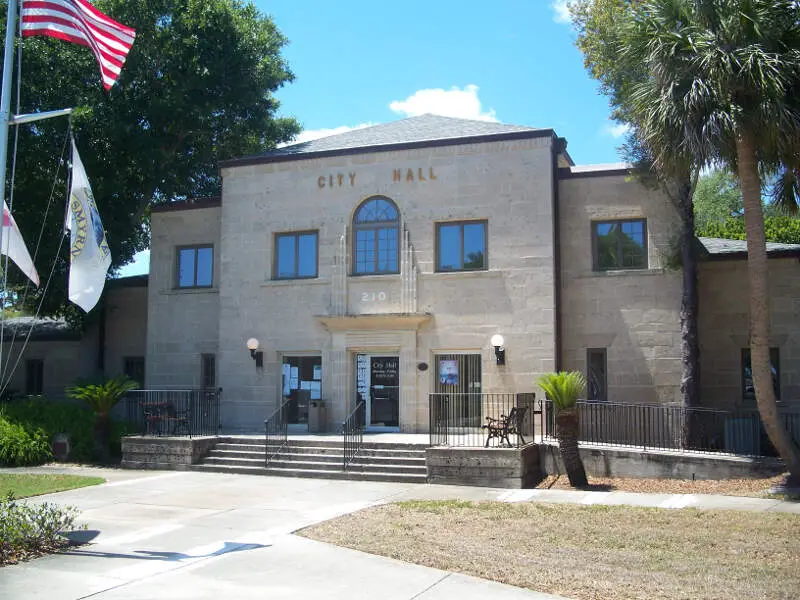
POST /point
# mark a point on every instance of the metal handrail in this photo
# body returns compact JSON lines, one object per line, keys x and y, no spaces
{"x":353,"y":432}
{"x":276,"y":431}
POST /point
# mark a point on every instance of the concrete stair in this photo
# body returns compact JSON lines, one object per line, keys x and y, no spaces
{"x":323,"y":458}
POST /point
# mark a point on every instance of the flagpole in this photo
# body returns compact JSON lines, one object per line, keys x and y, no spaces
{"x":5,"y":98}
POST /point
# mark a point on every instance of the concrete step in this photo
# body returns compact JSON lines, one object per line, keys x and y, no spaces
{"x":316,"y":473}
{"x":287,"y":455}
{"x":314,"y":466}
{"x":324,"y":442}
{"x":321,"y":450}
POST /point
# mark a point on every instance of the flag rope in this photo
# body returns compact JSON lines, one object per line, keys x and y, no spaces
{"x":4,"y":379}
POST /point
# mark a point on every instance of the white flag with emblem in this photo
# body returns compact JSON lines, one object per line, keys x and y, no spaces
{"x":90,"y":257}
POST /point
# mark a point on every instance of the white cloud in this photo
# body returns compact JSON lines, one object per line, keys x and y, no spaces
{"x":617,"y":130}
{"x":561,"y":11}
{"x":314,"y":134}
{"x":455,"y":102}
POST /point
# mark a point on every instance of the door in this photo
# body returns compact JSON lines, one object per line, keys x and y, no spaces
{"x":301,"y":382}
{"x":378,"y":386}
{"x":458,"y":379}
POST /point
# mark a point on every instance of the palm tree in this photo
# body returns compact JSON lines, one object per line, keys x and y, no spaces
{"x":101,"y":396}
{"x":724,"y":73}
{"x":564,"y":389}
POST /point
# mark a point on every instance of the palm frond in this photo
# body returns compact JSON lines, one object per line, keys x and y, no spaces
{"x":564,"y":388}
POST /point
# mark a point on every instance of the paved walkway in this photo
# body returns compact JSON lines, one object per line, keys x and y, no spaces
{"x":160,"y":535}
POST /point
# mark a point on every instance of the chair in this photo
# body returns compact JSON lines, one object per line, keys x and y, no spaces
{"x":505,"y":426}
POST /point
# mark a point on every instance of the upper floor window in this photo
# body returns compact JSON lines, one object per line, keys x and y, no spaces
{"x":376,"y":235}
{"x":461,"y":246}
{"x":195,"y":266}
{"x":619,"y":244}
{"x":296,"y":255}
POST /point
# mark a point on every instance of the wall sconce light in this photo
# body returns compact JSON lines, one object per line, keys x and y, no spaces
{"x":499,"y":350}
{"x":256,"y":354}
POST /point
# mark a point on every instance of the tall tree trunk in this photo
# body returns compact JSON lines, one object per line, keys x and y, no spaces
{"x":750,"y":182}
{"x":567,"y":431}
{"x":690,"y":347}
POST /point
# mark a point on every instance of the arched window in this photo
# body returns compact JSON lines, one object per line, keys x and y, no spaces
{"x":376,"y":235}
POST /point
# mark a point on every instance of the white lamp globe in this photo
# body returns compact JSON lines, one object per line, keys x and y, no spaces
{"x":497,"y":340}
{"x":252,"y":344}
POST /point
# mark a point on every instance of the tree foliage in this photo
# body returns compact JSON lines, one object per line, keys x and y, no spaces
{"x":783,"y":229}
{"x":198,"y":87}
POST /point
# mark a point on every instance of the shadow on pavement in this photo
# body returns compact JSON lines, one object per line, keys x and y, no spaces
{"x":227,"y":548}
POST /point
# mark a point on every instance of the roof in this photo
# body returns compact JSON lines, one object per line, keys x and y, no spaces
{"x":44,"y":330}
{"x":718,"y":248}
{"x":130,"y":281}
{"x":188,"y":204}
{"x":594,"y":170}
{"x":415,"y":132}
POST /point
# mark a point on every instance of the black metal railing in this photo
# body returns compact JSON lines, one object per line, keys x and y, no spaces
{"x":276,"y":431}
{"x":482,"y":420}
{"x":657,"y":427}
{"x":353,"y":432}
{"x":174,"y":412}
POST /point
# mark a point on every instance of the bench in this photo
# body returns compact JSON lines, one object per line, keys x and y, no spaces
{"x":505,"y":426}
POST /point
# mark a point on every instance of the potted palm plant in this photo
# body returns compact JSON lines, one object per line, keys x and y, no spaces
{"x":564,"y":389}
{"x":101,"y":396}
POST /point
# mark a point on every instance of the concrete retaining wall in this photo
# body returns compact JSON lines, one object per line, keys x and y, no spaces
{"x":649,"y":464}
{"x":487,"y":467}
{"x":170,"y":453}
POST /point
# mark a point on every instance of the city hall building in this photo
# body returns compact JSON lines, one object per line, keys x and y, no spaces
{"x":430,"y":255}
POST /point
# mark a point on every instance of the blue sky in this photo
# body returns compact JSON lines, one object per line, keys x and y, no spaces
{"x":361,"y":63}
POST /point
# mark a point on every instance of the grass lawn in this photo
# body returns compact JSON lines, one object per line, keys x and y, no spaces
{"x":24,"y":485}
{"x":586,"y":551}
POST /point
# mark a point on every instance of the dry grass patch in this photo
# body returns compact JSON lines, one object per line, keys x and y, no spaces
{"x":586,"y":551}
{"x":758,"y":488}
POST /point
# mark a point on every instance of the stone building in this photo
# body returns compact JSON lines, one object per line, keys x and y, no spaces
{"x":379,"y":265}
{"x":434,"y":255}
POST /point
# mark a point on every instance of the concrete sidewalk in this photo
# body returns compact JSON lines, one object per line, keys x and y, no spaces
{"x":201,"y":535}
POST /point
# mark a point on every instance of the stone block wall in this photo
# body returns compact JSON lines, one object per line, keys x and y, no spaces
{"x":486,"y":467}
{"x":176,"y":454}
{"x":634,"y":314}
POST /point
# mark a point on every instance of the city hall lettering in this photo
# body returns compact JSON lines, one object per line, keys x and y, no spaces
{"x":333,"y":180}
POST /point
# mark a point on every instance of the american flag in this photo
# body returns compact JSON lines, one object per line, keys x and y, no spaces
{"x":79,"y":22}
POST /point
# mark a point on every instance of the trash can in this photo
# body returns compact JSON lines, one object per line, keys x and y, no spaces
{"x":317,"y":417}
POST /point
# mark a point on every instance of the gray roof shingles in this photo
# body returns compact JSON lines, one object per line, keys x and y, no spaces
{"x":718,"y":247}
{"x":421,"y":129}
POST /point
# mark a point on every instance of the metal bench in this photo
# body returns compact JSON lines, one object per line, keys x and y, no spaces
{"x":505,"y":426}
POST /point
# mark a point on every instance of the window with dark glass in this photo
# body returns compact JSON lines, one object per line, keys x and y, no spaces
{"x":195,"y":266}
{"x":133,"y":367}
{"x":208,"y":370}
{"x":376,"y":237}
{"x":748,"y":390}
{"x":619,"y":245}
{"x":296,"y":255}
{"x":596,"y":374}
{"x":34,"y":376}
{"x":461,"y":246}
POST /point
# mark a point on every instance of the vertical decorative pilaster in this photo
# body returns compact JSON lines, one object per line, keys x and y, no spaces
{"x":338,"y":303}
{"x":408,"y":274}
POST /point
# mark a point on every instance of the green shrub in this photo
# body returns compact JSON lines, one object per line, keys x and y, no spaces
{"x":20,"y":446}
{"x":77,"y":421}
{"x":30,"y":529}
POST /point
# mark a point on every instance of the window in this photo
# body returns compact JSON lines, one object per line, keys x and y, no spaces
{"x":34,"y":376}
{"x":195,"y":266}
{"x":748,"y":391}
{"x":208,"y":370}
{"x":376,"y":235}
{"x":619,"y":245}
{"x":596,"y":374}
{"x":296,"y":255}
{"x":133,"y":367}
{"x":461,"y":246}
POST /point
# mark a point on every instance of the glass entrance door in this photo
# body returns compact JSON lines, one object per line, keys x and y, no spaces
{"x":301,"y":383}
{"x":378,"y":386}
